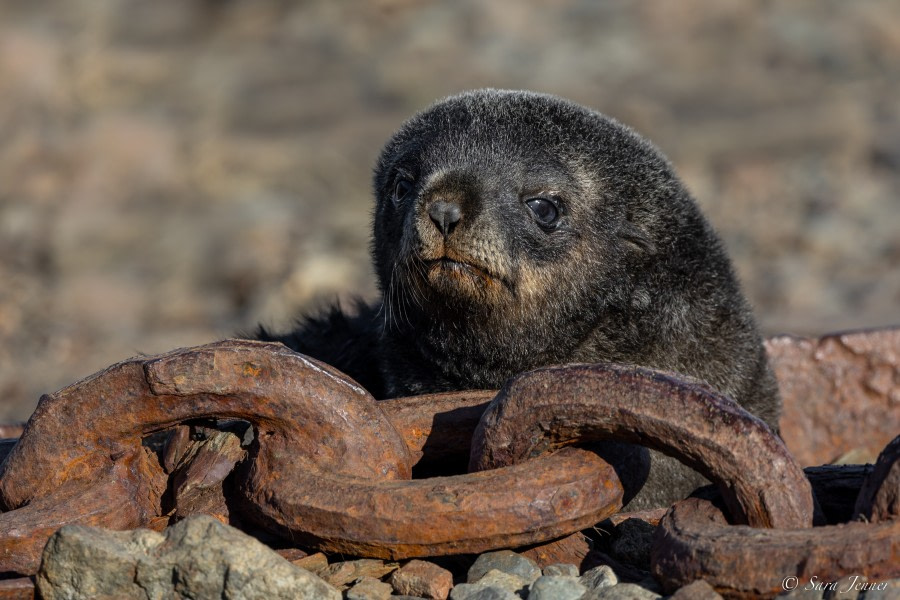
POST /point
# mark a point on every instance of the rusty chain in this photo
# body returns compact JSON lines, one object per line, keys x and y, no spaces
{"x":339,"y":485}
{"x":329,"y":467}
{"x":695,"y":541}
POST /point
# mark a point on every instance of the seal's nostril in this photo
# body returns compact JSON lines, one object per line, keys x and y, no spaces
{"x":445,"y":215}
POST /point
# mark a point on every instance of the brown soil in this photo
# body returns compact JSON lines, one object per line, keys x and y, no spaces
{"x":174,"y":171}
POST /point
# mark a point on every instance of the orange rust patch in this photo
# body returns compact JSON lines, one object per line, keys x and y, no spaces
{"x":249,"y":369}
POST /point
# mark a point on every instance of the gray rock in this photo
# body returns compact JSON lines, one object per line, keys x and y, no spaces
{"x":506,"y":581}
{"x":474,"y":591}
{"x":804,"y":592}
{"x":369,"y":588}
{"x":564,"y":569}
{"x":883,"y":590}
{"x":198,"y":557}
{"x":85,"y":562}
{"x":651,"y":584}
{"x":622,"y":591}
{"x":698,"y":590}
{"x":847,"y":588}
{"x":599,"y":578}
{"x":506,"y":561}
{"x":556,"y":587}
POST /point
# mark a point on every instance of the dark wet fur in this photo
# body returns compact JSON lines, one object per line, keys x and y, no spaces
{"x":631,"y":273}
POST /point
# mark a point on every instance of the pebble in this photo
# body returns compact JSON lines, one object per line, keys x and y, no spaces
{"x":698,"y":590}
{"x":563,"y":569}
{"x":599,"y":578}
{"x":369,"y":588}
{"x":884,"y":590}
{"x":474,"y":591}
{"x":556,"y":587}
{"x":800,"y":593}
{"x":314,"y":563}
{"x":622,"y":591}
{"x":506,"y":581}
{"x":422,"y":578}
{"x":341,"y":574}
{"x":506,"y":561}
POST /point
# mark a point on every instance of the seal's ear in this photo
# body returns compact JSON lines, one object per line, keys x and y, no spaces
{"x":636,"y":237}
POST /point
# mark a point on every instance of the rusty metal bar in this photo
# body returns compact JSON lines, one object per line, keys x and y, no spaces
{"x":558,"y":406}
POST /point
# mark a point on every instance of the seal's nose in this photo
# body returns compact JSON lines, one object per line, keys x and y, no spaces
{"x":445,"y":215}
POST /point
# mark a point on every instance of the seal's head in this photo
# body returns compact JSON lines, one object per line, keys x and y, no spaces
{"x":512,"y":207}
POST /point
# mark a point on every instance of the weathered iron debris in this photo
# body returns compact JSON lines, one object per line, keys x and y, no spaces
{"x":152,"y":440}
{"x":695,"y":541}
{"x":557,"y":406}
{"x":326,"y":467}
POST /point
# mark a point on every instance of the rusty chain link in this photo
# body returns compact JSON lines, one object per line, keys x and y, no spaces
{"x":326,"y":465}
{"x":329,"y":467}
{"x":695,"y":541}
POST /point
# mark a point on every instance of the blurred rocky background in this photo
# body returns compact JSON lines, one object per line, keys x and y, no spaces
{"x":174,"y":171}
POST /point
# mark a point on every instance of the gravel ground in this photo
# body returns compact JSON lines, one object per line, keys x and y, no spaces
{"x":174,"y":171}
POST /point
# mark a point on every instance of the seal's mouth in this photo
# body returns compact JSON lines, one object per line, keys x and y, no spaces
{"x":450,"y":267}
{"x":450,"y":271}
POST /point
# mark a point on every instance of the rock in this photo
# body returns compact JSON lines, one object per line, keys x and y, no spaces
{"x":624,"y":571}
{"x":698,"y":590}
{"x":883,"y":590}
{"x":563,"y":569}
{"x":846,"y":588}
{"x":570,"y":549}
{"x":422,"y":578}
{"x":341,"y":574}
{"x":369,"y":588}
{"x":599,"y":578}
{"x":314,"y":563}
{"x":633,"y":538}
{"x":474,"y":591}
{"x":622,"y":591}
{"x":556,"y":587}
{"x":804,"y":593}
{"x":506,"y":581}
{"x":506,"y":561}
{"x":18,"y":588}
{"x":292,"y":555}
{"x":198,"y":557}
{"x":85,"y":562}
{"x":651,"y":584}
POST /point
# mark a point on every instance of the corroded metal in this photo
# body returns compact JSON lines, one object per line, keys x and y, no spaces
{"x":19,"y":588}
{"x":329,"y":467}
{"x":841,"y":392}
{"x":879,"y":497}
{"x":438,"y":427}
{"x":326,"y":465}
{"x":557,"y":406}
{"x":695,"y":541}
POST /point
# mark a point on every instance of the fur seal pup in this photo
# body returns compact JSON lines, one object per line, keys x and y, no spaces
{"x":514,"y":230}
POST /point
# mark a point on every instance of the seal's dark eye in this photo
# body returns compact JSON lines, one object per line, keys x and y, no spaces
{"x":402,"y":189}
{"x":545,"y":210}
